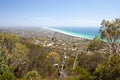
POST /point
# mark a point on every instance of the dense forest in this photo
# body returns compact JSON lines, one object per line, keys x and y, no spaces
{"x":23,"y":57}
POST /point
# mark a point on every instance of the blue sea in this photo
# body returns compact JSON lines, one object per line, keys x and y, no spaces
{"x":84,"y":32}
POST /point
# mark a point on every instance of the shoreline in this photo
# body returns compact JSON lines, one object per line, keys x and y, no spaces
{"x":44,"y":32}
{"x":69,"y":34}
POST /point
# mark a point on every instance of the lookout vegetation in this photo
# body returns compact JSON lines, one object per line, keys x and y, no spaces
{"x":22,"y":58}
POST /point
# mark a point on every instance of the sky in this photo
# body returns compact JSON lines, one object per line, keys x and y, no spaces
{"x":57,"y":12}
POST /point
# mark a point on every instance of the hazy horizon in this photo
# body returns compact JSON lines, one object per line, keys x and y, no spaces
{"x":1,"y":26}
{"x":66,"y":13}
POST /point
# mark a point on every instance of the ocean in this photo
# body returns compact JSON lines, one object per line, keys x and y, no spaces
{"x":83,"y":32}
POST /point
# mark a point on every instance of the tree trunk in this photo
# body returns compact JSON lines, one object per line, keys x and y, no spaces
{"x":75,"y":61}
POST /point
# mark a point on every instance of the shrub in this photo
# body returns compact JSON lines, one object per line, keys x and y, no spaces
{"x":109,"y":70}
{"x":82,"y":74}
{"x":33,"y":75}
{"x":7,"y":75}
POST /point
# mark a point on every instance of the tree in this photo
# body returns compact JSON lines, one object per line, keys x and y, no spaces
{"x":18,"y":59}
{"x":110,"y":32}
{"x":3,"y":65}
{"x":61,"y":68}
{"x":90,"y":61}
{"x":53,"y":57}
{"x":8,"y":40}
{"x":95,"y":44}
{"x":82,"y":74}
{"x":109,"y":69}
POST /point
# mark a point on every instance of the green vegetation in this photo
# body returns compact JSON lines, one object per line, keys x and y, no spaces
{"x":7,"y":75}
{"x":33,"y":59}
{"x":110,"y":31}
{"x":96,"y":44}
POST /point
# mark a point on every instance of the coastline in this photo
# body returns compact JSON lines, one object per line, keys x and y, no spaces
{"x":69,"y":34}
{"x":44,"y":32}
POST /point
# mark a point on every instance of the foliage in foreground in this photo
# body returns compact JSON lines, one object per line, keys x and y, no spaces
{"x":23,"y":60}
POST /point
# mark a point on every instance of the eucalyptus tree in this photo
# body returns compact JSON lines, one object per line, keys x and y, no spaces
{"x":18,"y":60}
{"x":8,"y":40}
{"x":110,"y":32}
{"x":61,"y":68}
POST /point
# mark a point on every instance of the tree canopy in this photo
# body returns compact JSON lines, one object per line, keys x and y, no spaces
{"x":110,"y":32}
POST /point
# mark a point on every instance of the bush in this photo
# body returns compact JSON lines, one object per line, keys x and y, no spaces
{"x":95,"y":44}
{"x":82,"y":74}
{"x":90,"y":61}
{"x":109,"y":70}
{"x":33,"y":75}
{"x":7,"y":76}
